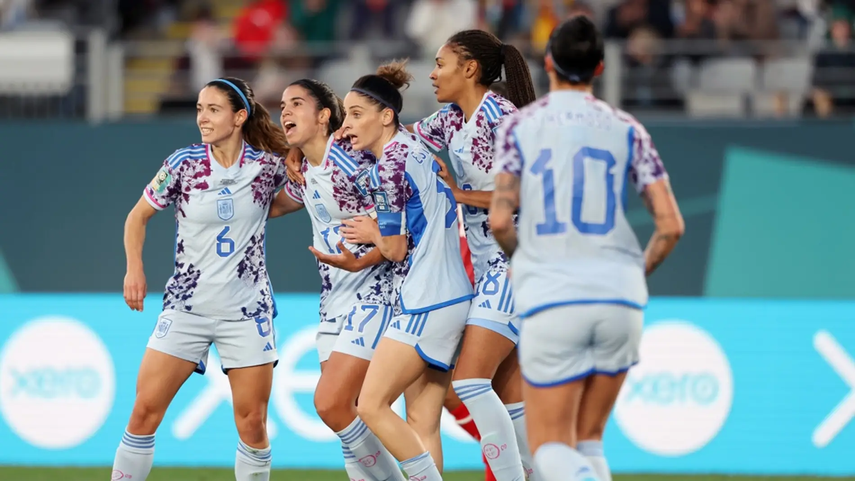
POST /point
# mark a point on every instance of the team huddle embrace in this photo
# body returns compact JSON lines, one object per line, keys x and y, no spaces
{"x":528,"y":349}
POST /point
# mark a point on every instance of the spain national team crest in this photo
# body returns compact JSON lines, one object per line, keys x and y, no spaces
{"x":323,"y":214}
{"x":162,"y":328}
{"x":381,"y":202}
{"x":225,"y":208}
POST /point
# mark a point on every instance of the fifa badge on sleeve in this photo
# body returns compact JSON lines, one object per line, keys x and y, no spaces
{"x":161,"y":180}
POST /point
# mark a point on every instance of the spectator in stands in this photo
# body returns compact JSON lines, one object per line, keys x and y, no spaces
{"x":366,"y":12}
{"x":204,"y":47}
{"x":648,"y":83}
{"x":834,"y":68}
{"x":258,"y":25}
{"x":315,"y":21}
{"x":697,"y":21}
{"x":545,"y":21}
{"x":631,"y":14}
{"x":697,"y":24}
{"x":744,"y":25}
{"x":432,"y":22}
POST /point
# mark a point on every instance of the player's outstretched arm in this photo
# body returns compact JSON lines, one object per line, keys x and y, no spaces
{"x":662,"y":205}
{"x":135,"y":284}
{"x":294,"y":164}
{"x":363,"y":230}
{"x":506,"y":201}
{"x":283,"y":204}
{"x":347,"y":261}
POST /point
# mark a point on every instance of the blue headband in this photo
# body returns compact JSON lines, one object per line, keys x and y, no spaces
{"x":242,"y":96}
{"x":377,"y":98}
{"x":573,"y":77}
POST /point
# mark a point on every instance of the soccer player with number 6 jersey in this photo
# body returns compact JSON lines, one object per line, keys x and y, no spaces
{"x":566,"y":162}
{"x":219,"y":294}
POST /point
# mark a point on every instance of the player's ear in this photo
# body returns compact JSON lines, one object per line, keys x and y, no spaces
{"x":470,"y":69}
{"x":547,"y":64}
{"x":324,"y":115}
{"x":599,"y":70}
{"x":388,"y":116}
{"x":240,"y":118}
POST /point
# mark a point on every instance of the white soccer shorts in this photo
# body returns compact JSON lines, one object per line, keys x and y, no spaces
{"x":567,"y":343}
{"x":493,"y":305}
{"x":356,"y":333}
{"x":435,"y":335}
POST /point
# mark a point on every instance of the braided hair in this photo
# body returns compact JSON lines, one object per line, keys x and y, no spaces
{"x":491,"y":55}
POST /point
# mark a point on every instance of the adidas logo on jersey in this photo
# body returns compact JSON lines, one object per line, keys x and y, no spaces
{"x":396,"y":325}
{"x":225,"y":191}
{"x":485,"y":304}
{"x":267,"y":347}
{"x":316,"y":195}
{"x":358,"y":341}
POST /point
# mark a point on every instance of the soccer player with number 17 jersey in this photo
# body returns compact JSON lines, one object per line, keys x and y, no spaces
{"x":578,"y":270}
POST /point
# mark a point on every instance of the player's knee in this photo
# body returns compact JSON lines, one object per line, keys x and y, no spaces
{"x":251,"y":425}
{"x":335,"y":410}
{"x":370,"y":408}
{"x":146,"y":416}
{"x":424,"y":423}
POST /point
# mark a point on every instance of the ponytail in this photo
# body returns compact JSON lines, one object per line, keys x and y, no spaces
{"x":491,"y":55}
{"x":519,"y":83}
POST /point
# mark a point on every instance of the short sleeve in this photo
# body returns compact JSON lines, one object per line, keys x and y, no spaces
{"x":294,"y":191}
{"x":646,"y":167}
{"x":164,"y":188}
{"x":433,"y":130}
{"x":507,"y":156}
{"x":389,"y":190}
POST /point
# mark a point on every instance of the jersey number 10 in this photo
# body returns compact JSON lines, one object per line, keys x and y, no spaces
{"x":551,"y":224}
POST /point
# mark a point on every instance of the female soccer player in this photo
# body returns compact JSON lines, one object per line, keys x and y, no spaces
{"x":579,"y":272}
{"x":222,"y":190}
{"x":417,"y":219}
{"x":467,"y":66}
{"x":356,"y":285}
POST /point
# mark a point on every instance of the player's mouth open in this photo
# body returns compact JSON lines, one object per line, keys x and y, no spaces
{"x":206,"y":130}
{"x":289,"y":126}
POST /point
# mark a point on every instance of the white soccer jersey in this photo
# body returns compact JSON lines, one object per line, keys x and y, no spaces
{"x":470,"y":148}
{"x":575,"y":155}
{"x":337,"y":190}
{"x":220,"y":217}
{"x":411,"y":199}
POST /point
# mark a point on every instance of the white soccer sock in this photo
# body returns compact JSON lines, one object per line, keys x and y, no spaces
{"x":252,"y":464}
{"x":375,"y":459}
{"x":134,"y":457}
{"x":422,"y":468}
{"x":517,"y":412}
{"x":560,"y":462}
{"x":352,"y":466}
{"x":593,"y":450}
{"x":498,"y":440}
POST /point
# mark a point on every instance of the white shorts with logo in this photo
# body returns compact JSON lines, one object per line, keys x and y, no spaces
{"x":240,"y":343}
{"x":355,"y":334}
{"x":567,"y":343}
{"x":434,"y":334}
{"x":493,"y":305}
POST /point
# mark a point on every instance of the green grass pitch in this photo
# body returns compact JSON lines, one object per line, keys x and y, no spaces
{"x":200,"y":474}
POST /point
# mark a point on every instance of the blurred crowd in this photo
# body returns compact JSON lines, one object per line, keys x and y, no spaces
{"x":267,"y":37}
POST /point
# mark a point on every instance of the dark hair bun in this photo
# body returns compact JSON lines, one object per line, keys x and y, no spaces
{"x":396,"y":73}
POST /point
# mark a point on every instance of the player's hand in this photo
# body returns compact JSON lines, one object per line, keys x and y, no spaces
{"x":135,"y":289}
{"x":294,"y":165}
{"x":360,"y":230}
{"x":339,"y":134}
{"x":444,"y":173}
{"x":346,"y":260}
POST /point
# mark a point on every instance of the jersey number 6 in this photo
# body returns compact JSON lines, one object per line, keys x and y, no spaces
{"x":225,"y":246}
{"x":551,"y":224}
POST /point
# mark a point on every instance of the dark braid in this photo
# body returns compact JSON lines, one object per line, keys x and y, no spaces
{"x":491,"y":54}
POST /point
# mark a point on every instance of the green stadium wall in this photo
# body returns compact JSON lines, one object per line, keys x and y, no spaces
{"x":769,"y":207}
